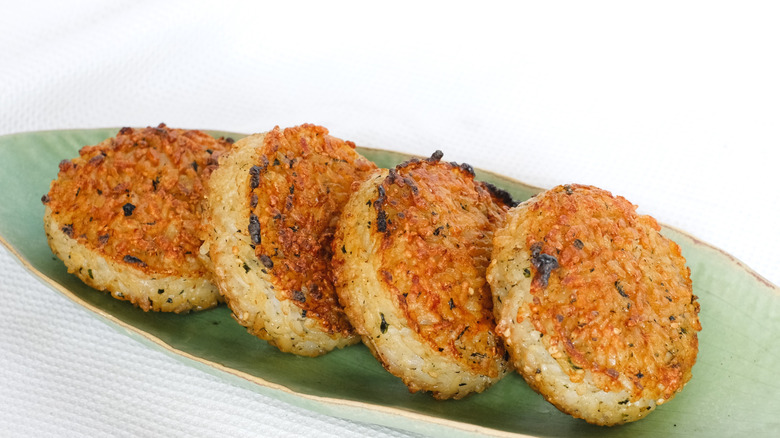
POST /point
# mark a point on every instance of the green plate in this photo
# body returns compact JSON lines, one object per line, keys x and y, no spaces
{"x":734,"y":389}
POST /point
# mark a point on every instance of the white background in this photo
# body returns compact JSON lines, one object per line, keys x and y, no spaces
{"x":674,"y":106}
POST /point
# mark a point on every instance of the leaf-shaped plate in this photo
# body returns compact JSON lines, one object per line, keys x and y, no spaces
{"x":734,"y":387}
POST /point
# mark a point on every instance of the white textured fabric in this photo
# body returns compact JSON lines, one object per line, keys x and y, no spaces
{"x":673,"y":106}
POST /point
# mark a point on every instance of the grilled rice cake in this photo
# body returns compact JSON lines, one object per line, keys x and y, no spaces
{"x":125,"y":216}
{"x":594,"y":304}
{"x":273,"y":206}
{"x":410,"y":254}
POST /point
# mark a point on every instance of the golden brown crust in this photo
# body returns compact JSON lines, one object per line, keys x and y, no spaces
{"x":619,"y":303}
{"x":434,"y":227}
{"x":160,"y":293}
{"x":136,"y":198}
{"x":299,"y":185}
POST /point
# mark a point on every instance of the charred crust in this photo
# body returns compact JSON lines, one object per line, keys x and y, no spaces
{"x":45,"y":199}
{"x":433,"y":159}
{"x":381,"y":221}
{"x":410,"y":182}
{"x":388,"y":276}
{"x":501,"y":195}
{"x":619,"y":288}
{"x":128,"y":209}
{"x":97,"y":159}
{"x":65,"y":165}
{"x":266,"y":261}
{"x":254,"y":177}
{"x":68,"y":230}
{"x":467,"y":168}
{"x":544,"y":264}
{"x":126,"y":131}
{"x":392,"y":175}
{"x":298,"y":296}
{"x":134,"y":260}
{"x":254,"y":228}
{"x":408,"y":163}
{"x":381,"y":214}
{"x":314,"y":291}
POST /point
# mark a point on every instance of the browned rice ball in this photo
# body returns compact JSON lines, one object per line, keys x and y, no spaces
{"x":126,"y":215}
{"x":273,"y":207}
{"x":411,"y":251}
{"x":594,"y":304}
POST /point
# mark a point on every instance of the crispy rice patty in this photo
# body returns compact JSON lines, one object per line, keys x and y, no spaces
{"x":594,"y":304}
{"x":125,"y":216}
{"x":410,"y":254}
{"x":273,"y":205}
